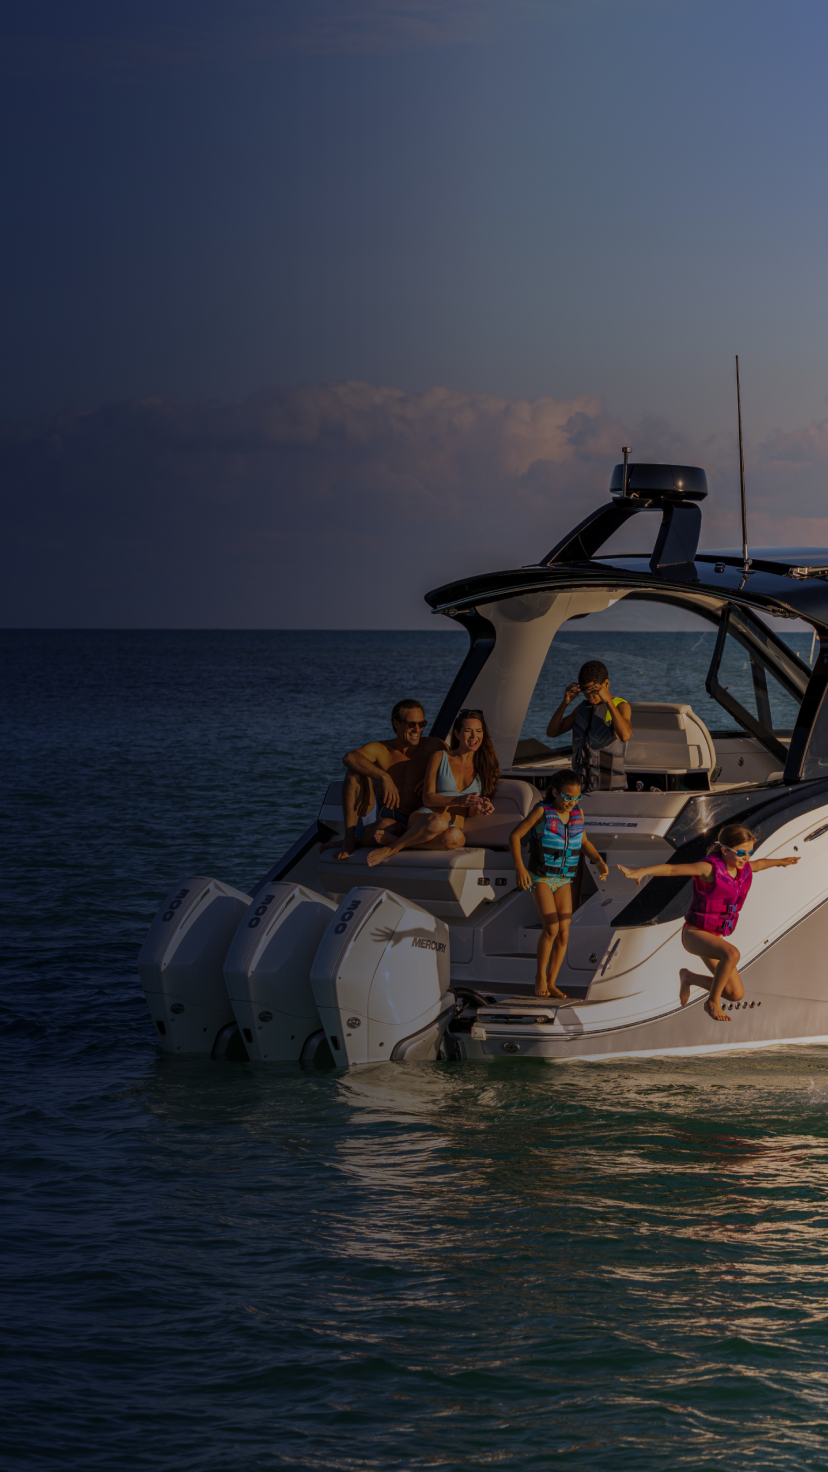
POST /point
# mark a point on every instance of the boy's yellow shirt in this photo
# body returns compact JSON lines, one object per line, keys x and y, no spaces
{"x":616,"y":700}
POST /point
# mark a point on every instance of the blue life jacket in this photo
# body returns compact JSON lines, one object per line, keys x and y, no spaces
{"x":555,"y":846}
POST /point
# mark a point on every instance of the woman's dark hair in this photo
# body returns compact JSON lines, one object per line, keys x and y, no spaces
{"x":566,"y":778}
{"x":594,"y":671}
{"x":733,"y":835}
{"x":486,"y":764}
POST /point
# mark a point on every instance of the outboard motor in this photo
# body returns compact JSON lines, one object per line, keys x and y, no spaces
{"x":267,"y":970}
{"x":381,"y":979}
{"x":181,"y":960}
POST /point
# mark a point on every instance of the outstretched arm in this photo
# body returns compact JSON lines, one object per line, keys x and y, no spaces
{"x":702,"y":870}
{"x":773,"y":863}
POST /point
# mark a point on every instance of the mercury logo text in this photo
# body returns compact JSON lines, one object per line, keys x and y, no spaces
{"x":428,"y":945}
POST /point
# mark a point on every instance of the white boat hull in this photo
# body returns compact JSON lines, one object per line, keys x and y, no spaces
{"x":786,"y":1003}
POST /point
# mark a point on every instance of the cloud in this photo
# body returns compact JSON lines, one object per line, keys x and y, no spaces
{"x":129,"y":40}
{"x":787,"y":487}
{"x":335,"y":505}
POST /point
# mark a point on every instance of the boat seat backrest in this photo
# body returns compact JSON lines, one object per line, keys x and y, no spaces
{"x":513,"y":801}
{"x":668,"y":737}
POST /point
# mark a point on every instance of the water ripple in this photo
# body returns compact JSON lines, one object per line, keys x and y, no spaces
{"x":216,"y":1266}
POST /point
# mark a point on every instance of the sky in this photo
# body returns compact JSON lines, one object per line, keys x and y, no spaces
{"x":312,"y":305}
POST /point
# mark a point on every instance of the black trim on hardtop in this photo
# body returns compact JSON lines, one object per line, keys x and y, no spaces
{"x":482,"y":636}
{"x":808,"y":751}
{"x":773,"y":594}
{"x":675,"y":546}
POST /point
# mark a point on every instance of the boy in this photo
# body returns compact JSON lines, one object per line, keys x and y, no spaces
{"x":601,"y":727}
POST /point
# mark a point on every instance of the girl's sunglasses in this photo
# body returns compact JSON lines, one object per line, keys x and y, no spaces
{"x":567,"y":798}
{"x":741,"y":853}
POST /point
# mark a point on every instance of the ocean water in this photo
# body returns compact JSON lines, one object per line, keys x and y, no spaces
{"x":236,"y":1266}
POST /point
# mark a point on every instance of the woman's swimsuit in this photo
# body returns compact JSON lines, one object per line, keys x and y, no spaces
{"x":716,"y":907}
{"x":446,"y":784}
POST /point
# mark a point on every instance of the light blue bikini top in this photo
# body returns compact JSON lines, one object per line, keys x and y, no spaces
{"x":446,"y":782}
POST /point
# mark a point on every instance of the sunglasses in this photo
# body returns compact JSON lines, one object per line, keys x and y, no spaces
{"x":741,"y":853}
{"x":414,"y":725}
{"x":568,"y":799}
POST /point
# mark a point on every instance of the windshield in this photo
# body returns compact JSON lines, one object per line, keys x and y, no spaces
{"x":657,"y":662}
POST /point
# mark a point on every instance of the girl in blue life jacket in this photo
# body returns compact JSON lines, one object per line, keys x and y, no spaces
{"x":556,"y":837}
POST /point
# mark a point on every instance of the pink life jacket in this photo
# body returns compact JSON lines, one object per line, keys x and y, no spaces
{"x":717,"y":909}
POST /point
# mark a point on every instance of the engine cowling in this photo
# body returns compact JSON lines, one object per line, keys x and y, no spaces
{"x":381,"y":979}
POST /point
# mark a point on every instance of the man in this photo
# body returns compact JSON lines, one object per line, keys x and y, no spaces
{"x":600,"y":727}
{"x":394,"y":770}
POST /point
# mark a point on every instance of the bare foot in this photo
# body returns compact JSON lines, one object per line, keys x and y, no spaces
{"x":377,"y":856}
{"x":387,"y":834}
{"x":539,"y":991}
{"x":714,"y":1010}
{"x":555,"y":991}
{"x":345,"y":847}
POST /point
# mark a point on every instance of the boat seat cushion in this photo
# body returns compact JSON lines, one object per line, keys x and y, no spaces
{"x":668,"y":737}
{"x":445,"y":881}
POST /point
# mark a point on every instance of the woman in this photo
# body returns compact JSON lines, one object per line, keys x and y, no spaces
{"x":556,"y":837}
{"x":720,"y":888}
{"x":459,"y":783}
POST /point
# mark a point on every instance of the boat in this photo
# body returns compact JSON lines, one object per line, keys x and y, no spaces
{"x":432,"y":955}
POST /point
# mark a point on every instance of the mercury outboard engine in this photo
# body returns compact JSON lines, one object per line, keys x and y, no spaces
{"x":181,"y":960}
{"x":381,"y":979}
{"x":267,"y":970}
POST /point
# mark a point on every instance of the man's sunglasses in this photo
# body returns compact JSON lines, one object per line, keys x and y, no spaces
{"x":741,"y":853}
{"x":410,"y":725}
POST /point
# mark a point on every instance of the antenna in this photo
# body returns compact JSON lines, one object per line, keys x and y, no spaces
{"x":742,"y":470}
{"x":626,"y":451}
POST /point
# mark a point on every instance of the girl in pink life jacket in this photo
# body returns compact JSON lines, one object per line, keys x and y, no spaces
{"x":720,"y":886}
